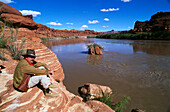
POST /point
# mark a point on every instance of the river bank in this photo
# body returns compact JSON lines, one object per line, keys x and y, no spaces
{"x":157,"y":35}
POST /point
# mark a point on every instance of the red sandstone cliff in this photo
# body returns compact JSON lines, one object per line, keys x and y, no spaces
{"x":159,"y":21}
{"x":14,"y":16}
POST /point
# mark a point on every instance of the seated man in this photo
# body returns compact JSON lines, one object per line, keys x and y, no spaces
{"x":27,"y":74}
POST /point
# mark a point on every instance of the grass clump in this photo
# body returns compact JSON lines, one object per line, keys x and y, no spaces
{"x":107,"y":98}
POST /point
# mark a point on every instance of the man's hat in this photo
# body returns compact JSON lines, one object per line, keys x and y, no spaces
{"x":29,"y":52}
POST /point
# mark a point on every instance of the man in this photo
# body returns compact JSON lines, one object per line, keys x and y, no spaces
{"x":28,"y":74}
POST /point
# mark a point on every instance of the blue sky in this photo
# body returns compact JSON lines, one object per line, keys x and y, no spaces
{"x":97,"y":15}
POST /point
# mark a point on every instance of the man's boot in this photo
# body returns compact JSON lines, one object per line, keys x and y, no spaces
{"x":50,"y":93}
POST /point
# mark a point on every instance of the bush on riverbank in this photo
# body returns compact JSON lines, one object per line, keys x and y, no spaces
{"x":107,"y":98}
{"x":159,"y":35}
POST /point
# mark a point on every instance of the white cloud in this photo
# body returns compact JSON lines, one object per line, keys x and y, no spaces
{"x":110,"y":9}
{"x":54,"y":23}
{"x":30,"y":12}
{"x":106,"y":19}
{"x":70,"y":23}
{"x":129,"y":27}
{"x":6,"y":1}
{"x":126,"y":0}
{"x":83,"y":27}
{"x":105,"y":26}
{"x":93,"y":22}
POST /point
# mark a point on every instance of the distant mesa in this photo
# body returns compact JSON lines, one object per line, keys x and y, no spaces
{"x":112,"y":31}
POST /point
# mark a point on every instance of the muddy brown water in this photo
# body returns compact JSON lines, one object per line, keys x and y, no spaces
{"x":139,"y":69}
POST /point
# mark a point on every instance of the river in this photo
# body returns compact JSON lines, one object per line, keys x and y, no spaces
{"x":136,"y":68}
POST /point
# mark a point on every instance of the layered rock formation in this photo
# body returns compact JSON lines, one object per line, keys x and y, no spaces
{"x":34,"y":100}
{"x":4,"y":8}
{"x":44,"y":31}
{"x":159,"y":21}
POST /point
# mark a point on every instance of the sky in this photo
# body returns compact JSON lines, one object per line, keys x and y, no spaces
{"x":97,"y":15}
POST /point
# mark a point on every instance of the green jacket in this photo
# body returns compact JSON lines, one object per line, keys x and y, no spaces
{"x":24,"y":70}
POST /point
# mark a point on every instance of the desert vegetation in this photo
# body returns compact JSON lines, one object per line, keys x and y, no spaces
{"x":107,"y":98}
{"x":158,"y":35}
{"x":10,"y":43}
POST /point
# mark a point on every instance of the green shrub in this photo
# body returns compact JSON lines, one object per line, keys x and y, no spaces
{"x":15,"y":48}
{"x":107,"y":97}
{"x":121,"y":105}
{"x":2,"y":42}
{"x":44,"y":39}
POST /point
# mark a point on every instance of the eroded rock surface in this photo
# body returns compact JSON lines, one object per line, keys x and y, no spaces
{"x":90,"y":91}
{"x":4,"y":8}
{"x":159,"y":21}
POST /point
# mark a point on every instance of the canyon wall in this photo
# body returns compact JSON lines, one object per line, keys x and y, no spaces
{"x":159,"y":21}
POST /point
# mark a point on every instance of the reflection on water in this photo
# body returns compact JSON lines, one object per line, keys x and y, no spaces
{"x":94,"y":59}
{"x":152,"y":48}
{"x":139,"y":69}
{"x":65,"y":42}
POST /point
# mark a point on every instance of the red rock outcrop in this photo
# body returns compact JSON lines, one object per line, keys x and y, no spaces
{"x":4,"y":8}
{"x":91,"y":51}
{"x":89,"y":91}
{"x":45,"y":31}
{"x":14,"y":16}
{"x":159,"y":21}
{"x":95,"y":51}
{"x":98,"y":51}
{"x":98,"y":106}
{"x":19,"y":21}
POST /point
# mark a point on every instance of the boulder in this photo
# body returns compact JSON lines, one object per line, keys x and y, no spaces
{"x":95,"y":49}
{"x":90,"y":91}
{"x":137,"y":110}
{"x":98,"y":51}
{"x":99,"y":106}
{"x":92,"y":51}
{"x":4,"y":8}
